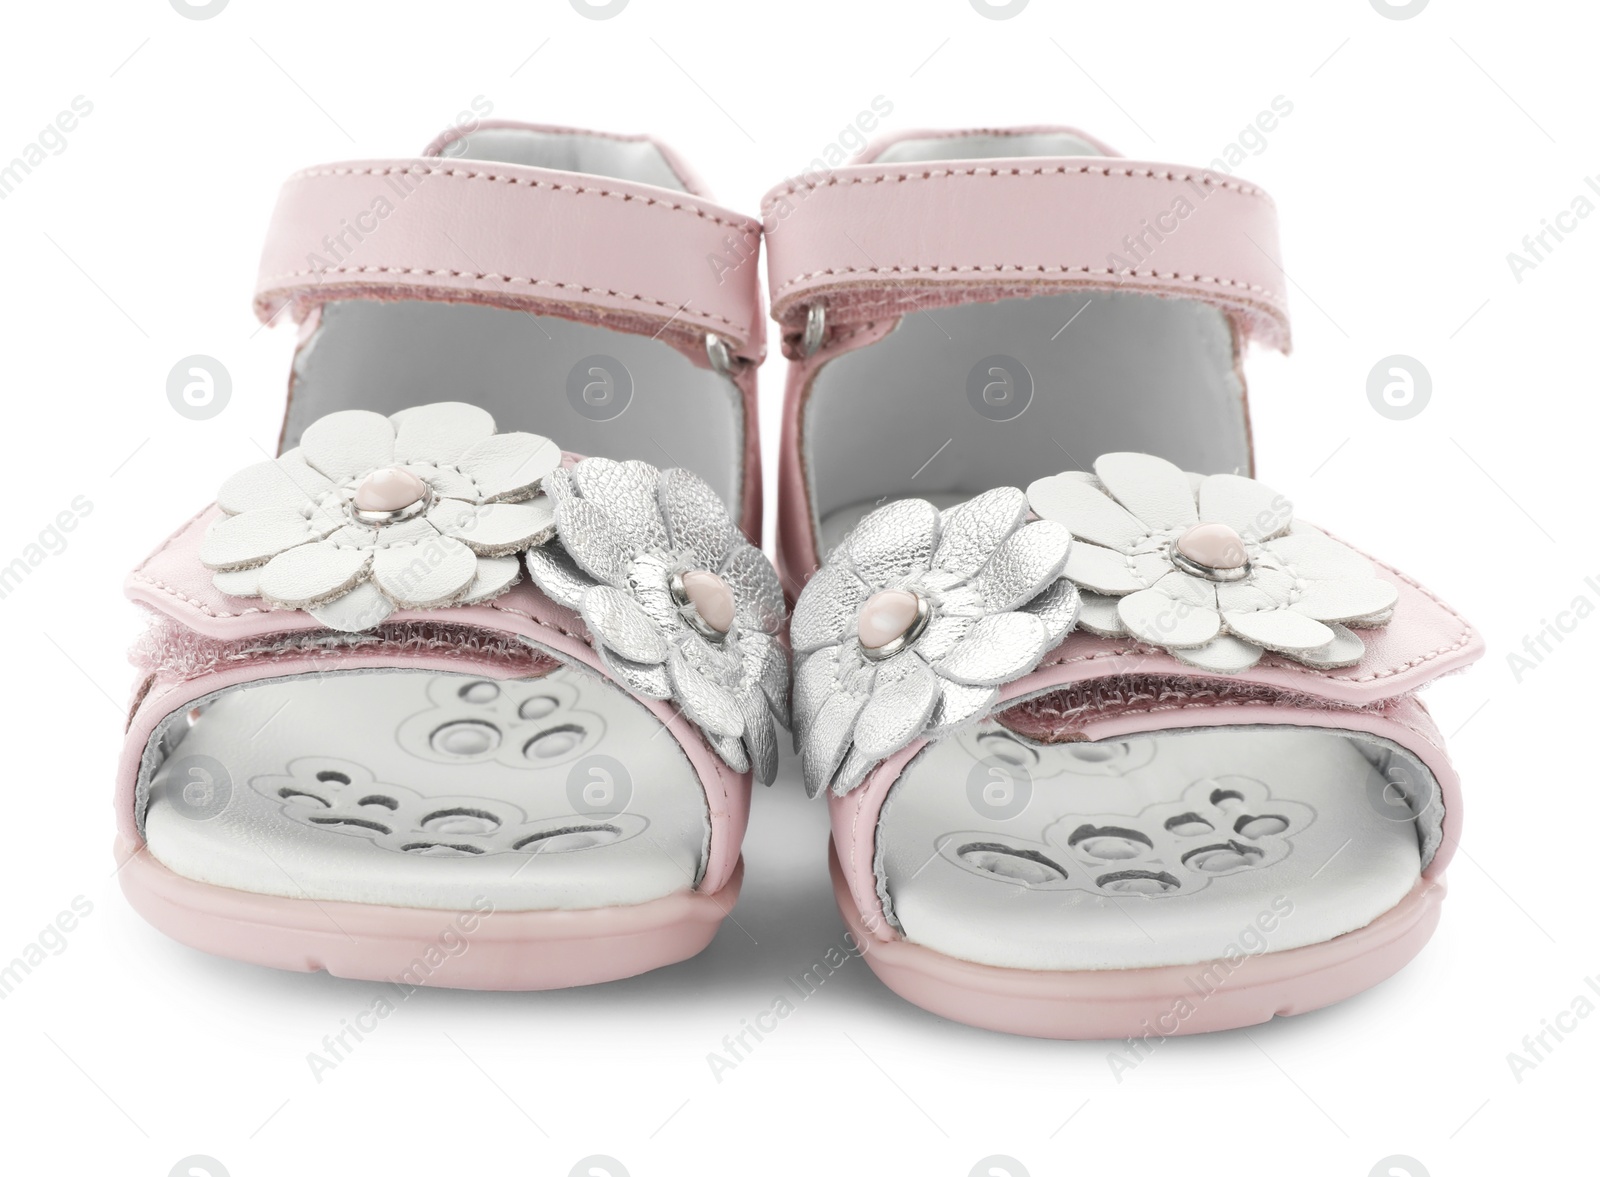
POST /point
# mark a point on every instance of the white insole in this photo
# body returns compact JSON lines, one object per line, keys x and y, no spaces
{"x":429,"y":790}
{"x":1160,"y":849}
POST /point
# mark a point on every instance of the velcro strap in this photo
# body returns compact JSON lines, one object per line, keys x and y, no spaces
{"x":628,"y":256}
{"x":879,"y":241}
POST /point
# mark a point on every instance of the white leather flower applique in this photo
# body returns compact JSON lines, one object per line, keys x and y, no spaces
{"x":369,"y":514}
{"x":1213,"y":569}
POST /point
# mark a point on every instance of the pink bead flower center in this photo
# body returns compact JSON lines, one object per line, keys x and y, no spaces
{"x":392,"y":489}
{"x":711,"y":597}
{"x":885,"y":616}
{"x":1213,"y":545}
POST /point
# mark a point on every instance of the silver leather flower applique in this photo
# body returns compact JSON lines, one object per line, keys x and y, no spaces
{"x":678,"y":604}
{"x":370,"y":514}
{"x":1214,"y":570}
{"x":915,"y":621}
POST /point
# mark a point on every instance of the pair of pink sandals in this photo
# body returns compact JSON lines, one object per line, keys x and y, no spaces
{"x":1120,"y":750}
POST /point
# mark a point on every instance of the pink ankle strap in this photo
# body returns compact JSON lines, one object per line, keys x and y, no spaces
{"x":878,"y":241}
{"x":630,"y":256}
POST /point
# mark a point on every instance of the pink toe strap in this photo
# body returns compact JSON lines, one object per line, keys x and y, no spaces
{"x":876,"y":241}
{"x":632,"y":256}
{"x":205,"y":640}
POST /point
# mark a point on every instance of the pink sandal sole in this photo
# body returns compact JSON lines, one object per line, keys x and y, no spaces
{"x":1149,"y":1003}
{"x":506,"y":950}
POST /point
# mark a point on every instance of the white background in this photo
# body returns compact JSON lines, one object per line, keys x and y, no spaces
{"x":1418,"y":154}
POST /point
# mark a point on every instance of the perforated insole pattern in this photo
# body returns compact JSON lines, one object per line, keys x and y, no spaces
{"x":428,"y":790}
{"x":1159,"y":849}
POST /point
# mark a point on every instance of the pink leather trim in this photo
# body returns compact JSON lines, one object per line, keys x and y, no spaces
{"x":1150,"y":1004}
{"x":876,"y":241}
{"x":174,"y":583}
{"x":750,"y":516}
{"x":795,"y":527}
{"x":629,"y":256}
{"x":519,"y":950}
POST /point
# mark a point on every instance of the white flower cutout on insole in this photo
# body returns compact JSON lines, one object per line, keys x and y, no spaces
{"x":532,"y":725}
{"x":1220,"y":826}
{"x":370,"y":514}
{"x":1213,"y":569}
{"x":677,"y":603}
{"x":914,"y":623}
{"x":338,"y":796}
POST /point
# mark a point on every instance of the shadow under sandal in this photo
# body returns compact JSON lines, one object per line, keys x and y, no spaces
{"x":429,"y":702}
{"x":1131,"y":753}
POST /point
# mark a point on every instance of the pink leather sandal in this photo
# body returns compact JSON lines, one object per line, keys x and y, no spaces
{"x":428,"y":702}
{"x":1129,"y":753}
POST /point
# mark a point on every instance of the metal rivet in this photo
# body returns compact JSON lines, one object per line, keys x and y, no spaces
{"x":722,"y":358}
{"x":816,"y":329}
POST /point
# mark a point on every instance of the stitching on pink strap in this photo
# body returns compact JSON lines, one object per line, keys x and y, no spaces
{"x":292,"y":278}
{"x":996,"y":173}
{"x":145,"y":578}
{"x":1003,"y":267}
{"x":744,"y":225}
